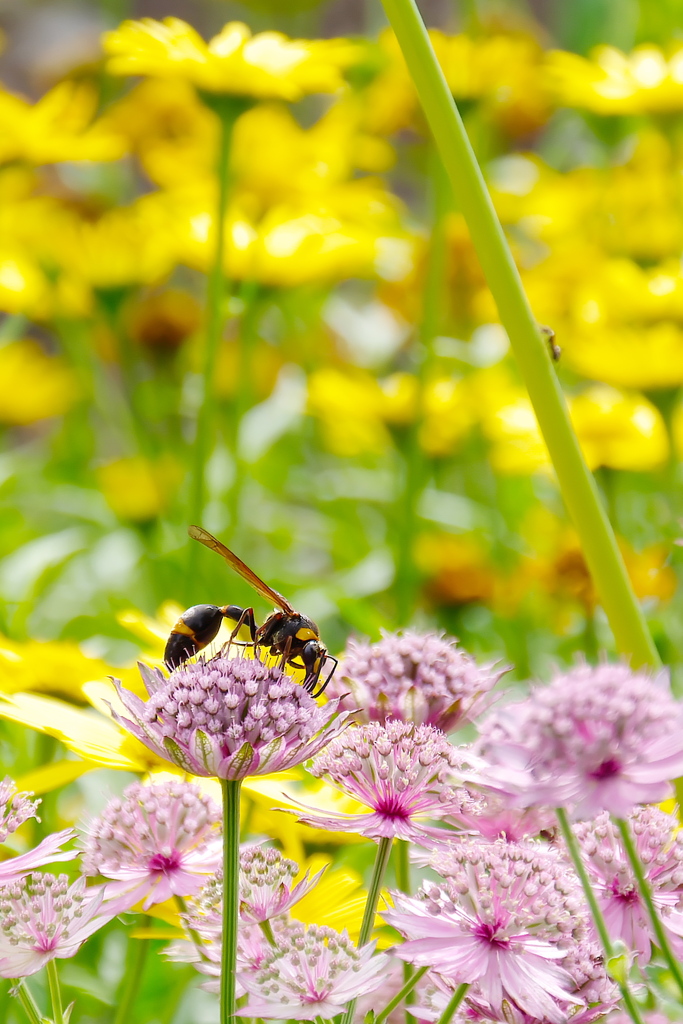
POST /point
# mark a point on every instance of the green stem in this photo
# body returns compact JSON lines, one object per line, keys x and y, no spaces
{"x":454,"y":1003}
{"x":135,"y":966}
{"x":577,"y":484}
{"x":407,"y":989}
{"x":368,"y":923}
{"x":646,"y":894}
{"x":55,"y":992}
{"x":27,"y":1001}
{"x":227,"y":110}
{"x":598,"y":919}
{"x":267,"y":929}
{"x":231,"y":881}
{"x":402,"y":868}
{"x":192,"y":932}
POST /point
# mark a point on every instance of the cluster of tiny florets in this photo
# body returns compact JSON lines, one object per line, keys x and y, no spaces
{"x":44,"y":895}
{"x":421,"y":678}
{"x":585,"y":961}
{"x":229,"y":718}
{"x":148,"y":824}
{"x":239,"y":699}
{"x":15,"y":808}
{"x":594,"y":739}
{"x":659,"y":842}
{"x":512,"y":886}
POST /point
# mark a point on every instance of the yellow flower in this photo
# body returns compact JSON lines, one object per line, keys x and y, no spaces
{"x":55,"y":667}
{"x":338,"y":900}
{"x":613,"y":82}
{"x":138,"y":489}
{"x":501,"y":72}
{"x":619,"y":429}
{"x":234,"y":62}
{"x":349,"y":405}
{"x":448,"y":415}
{"x":35,"y":385}
{"x":458,"y":569}
{"x":58,"y":127}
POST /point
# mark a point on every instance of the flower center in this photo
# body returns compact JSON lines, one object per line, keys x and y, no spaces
{"x":607,"y":769}
{"x":486,"y":932}
{"x":46,"y":943}
{"x":625,"y":892}
{"x":392,"y":806}
{"x":164,"y":864}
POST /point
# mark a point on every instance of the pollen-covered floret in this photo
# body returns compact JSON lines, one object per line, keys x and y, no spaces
{"x":415,"y":677}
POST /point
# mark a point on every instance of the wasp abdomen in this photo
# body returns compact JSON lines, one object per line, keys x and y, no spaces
{"x":195,"y":628}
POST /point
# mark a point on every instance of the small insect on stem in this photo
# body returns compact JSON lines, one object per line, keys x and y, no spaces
{"x":555,"y":350}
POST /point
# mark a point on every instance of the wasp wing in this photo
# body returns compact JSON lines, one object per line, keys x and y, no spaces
{"x":243,"y":570}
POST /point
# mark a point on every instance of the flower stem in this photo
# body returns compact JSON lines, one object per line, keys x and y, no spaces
{"x":267,"y":929}
{"x":231,"y":881}
{"x":368,"y":923}
{"x":402,"y":868}
{"x":227,"y":109}
{"x":596,"y":913}
{"x":135,"y":966}
{"x":410,"y":984}
{"x":577,"y":484}
{"x":55,"y":992}
{"x":646,"y":894}
{"x":27,"y":1001}
{"x":454,"y":1003}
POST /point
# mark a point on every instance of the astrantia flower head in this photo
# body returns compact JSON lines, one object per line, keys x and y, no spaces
{"x":402,"y":772}
{"x":421,"y":678}
{"x":155,"y":842}
{"x":234,"y":62}
{"x":493,"y":818}
{"x":266,"y":888}
{"x":15,"y":808}
{"x":229,"y":718}
{"x":312,"y":975}
{"x":502,"y":921}
{"x":595,"y":739}
{"x":660,"y":847}
{"x":45,"y":919}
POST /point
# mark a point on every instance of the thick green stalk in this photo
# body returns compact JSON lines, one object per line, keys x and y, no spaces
{"x":407,"y":989}
{"x":454,"y":1003}
{"x":596,"y":913}
{"x":227,"y":109}
{"x":578,"y":487}
{"x":368,"y":923}
{"x":646,"y":895}
{"x":55,"y":992}
{"x":135,"y":966}
{"x":231,"y":881}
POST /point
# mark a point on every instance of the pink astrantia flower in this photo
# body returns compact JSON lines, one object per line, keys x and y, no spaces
{"x":403,"y":773}
{"x":595,"y":739}
{"x":155,"y":842}
{"x":502,"y":922}
{"x":229,"y":718}
{"x":493,"y":818}
{"x":46,"y":919}
{"x":15,"y":808}
{"x":660,"y":848}
{"x":421,"y":678}
{"x":266,"y":888}
{"x":314,"y":975}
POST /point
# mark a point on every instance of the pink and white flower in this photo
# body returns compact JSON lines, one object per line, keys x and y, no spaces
{"x":266,"y":888}
{"x":45,"y":919}
{"x":155,"y":842}
{"x":403,"y":773}
{"x":595,"y":739}
{"x":15,"y":808}
{"x":229,"y":718}
{"x":660,"y":847}
{"x":416,"y":677}
{"x":311,"y":976}
{"x":502,"y":922}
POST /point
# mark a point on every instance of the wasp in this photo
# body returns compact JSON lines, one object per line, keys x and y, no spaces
{"x":286,"y":632}
{"x":553,"y":347}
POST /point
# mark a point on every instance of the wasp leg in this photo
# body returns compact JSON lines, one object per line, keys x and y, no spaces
{"x":329,"y":676}
{"x":242,"y":617}
{"x":285,"y":653}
